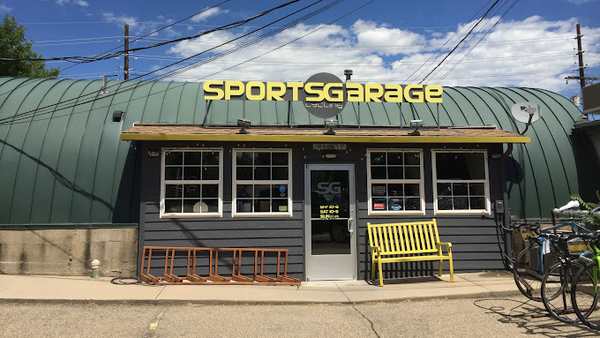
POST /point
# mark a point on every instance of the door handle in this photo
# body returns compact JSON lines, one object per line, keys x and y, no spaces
{"x":350,"y":225}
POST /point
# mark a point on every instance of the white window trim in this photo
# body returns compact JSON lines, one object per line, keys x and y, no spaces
{"x":486,"y":182}
{"x":163,"y":182}
{"x":370,"y":182}
{"x":235,"y":182}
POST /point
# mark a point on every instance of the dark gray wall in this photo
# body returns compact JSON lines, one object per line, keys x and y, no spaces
{"x":474,"y":237}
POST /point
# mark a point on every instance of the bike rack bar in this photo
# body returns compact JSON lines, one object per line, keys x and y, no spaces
{"x":192,"y":256}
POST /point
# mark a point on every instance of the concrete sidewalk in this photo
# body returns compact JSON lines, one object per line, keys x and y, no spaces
{"x":57,"y":288}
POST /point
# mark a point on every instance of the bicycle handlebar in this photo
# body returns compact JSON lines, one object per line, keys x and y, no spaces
{"x":572,"y":204}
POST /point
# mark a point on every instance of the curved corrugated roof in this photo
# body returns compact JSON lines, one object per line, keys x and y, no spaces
{"x":65,"y":164}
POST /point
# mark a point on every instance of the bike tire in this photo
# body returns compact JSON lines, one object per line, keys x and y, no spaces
{"x":528,"y":273}
{"x":584,"y":296}
{"x":556,"y":290}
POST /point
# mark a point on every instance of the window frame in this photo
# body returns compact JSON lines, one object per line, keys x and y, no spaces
{"x":485,"y":181}
{"x":235,"y":182}
{"x":420,"y":181}
{"x":164,"y":182}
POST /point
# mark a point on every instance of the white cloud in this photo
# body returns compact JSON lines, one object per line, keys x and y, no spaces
{"x":81,"y":3}
{"x":111,"y":17}
{"x":4,"y":8}
{"x":579,"y":2}
{"x":384,"y":40}
{"x":531,"y":53}
{"x":208,"y":13}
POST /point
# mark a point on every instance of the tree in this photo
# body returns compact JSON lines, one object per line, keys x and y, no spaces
{"x":14,"y":46}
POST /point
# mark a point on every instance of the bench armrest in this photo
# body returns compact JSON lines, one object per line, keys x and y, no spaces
{"x":375,"y":251}
{"x":447,"y":244}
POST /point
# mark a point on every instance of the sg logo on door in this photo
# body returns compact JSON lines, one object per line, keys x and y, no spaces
{"x":329,"y":188}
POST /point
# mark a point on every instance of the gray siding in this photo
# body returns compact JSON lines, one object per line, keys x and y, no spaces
{"x":474,"y":239}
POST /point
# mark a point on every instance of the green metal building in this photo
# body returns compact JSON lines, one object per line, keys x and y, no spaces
{"x":64,"y":166}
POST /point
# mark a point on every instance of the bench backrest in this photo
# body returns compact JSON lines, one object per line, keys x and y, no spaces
{"x":404,"y":238}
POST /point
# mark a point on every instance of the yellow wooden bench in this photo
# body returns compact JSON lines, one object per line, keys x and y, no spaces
{"x":407,"y":242}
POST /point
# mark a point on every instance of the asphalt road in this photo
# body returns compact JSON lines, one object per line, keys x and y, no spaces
{"x":493,"y":317}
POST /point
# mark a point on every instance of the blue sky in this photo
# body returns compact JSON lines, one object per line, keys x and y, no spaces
{"x":530,"y":45}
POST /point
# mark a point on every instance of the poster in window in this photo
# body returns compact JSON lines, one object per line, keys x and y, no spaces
{"x":379,"y":204}
{"x":395,"y":204}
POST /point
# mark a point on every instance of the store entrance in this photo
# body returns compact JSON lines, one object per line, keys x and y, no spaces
{"x":330,"y":226}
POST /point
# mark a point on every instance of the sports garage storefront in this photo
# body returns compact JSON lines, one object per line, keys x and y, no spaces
{"x":99,"y":171}
{"x":291,"y":166}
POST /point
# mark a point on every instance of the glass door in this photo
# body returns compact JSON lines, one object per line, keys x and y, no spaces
{"x":330,"y":236}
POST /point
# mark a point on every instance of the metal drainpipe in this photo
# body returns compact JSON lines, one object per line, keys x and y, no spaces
{"x":506,"y":215}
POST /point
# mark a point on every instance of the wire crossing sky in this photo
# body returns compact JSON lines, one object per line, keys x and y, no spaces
{"x":481,"y":43}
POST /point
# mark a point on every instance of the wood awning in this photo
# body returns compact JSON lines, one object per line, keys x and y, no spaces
{"x":179,"y":132}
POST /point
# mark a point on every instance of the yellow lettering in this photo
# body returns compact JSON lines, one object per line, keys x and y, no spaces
{"x":233,"y":88}
{"x":338,"y":94}
{"x":413,"y":93}
{"x":295,"y":86}
{"x":314,"y":88}
{"x":355,"y":92}
{"x":373,"y":92}
{"x":393,"y":93}
{"x":433,"y":93}
{"x":261,"y":91}
{"x":275,"y":91}
{"x":217,"y":92}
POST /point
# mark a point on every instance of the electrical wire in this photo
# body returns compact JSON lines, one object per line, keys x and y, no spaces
{"x":158,"y":30}
{"x":480,"y":39}
{"x":110,"y":55}
{"x":414,"y":73}
{"x":292,"y":41}
{"x":68,"y":103}
{"x":460,"y":42}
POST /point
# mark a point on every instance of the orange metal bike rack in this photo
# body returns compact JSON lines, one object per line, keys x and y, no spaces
{"x":182,"y":265}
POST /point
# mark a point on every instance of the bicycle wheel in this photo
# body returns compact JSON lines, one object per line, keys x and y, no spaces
{"x":529,"y":270}
{"x":556,"y":290}
{"x":584,"y":296}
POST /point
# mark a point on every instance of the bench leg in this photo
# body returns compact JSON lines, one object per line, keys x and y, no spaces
{"x":380,"y":274}
{"x":373,"y":270}
{"x":451,"y":269}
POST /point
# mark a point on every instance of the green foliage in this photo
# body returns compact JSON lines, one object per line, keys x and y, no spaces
{"x":14,"y":46}
{"x":592,"y":222}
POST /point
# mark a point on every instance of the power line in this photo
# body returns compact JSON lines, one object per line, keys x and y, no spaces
{"x":480,"y":39}
{"x":460,"y":42}
{"x":67,"y":103}
{"x":158,"y":30}
{"x":109,"y":55}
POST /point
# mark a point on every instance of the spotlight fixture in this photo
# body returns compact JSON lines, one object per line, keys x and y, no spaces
{"x":330,"y":124}
{"x":330,"y":154}
{"x":118,"y":115}
{"x":416,"y":124}
{"x":348,"y":73}
{"x":244,"y":124}
{"x":153,"y":153}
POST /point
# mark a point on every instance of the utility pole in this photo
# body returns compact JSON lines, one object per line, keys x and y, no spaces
{"x":581,"y":78}
{"x":126,"y":54}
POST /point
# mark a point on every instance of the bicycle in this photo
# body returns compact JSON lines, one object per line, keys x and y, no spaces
{"x":534,"y":261}
{"x":557,"y":281}
{"x":585,"y":293}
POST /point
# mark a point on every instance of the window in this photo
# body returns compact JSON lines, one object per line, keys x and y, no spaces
{"x":395,"y":181}
{"x":191,"y":182}
{"x":460,"y":179}
{"x":261,"y":182}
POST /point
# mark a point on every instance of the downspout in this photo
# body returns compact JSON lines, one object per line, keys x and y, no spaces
{"x":508,"y":247}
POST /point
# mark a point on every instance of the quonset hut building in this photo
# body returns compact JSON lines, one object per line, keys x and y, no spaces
{"x":92,"y":171}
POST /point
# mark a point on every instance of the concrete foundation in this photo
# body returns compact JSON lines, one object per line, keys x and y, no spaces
{"x":69,"y":252}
